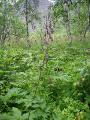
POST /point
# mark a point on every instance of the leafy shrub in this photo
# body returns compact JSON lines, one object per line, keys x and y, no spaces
{"x":31,"y":89}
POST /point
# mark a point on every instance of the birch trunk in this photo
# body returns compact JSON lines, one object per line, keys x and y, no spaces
{"x":88,"y":26}
{"x":27,"y":26}
{"x":67,"y":21}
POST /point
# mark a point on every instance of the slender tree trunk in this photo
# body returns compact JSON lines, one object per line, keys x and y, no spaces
{"x":89,"y":11}
{"x":67,"y":21}
{"x":27,"y":26}
{"x":88,"y":26}
{"x":4,"y":30}
{"x":3,"y":36}
{"x":79,"y":21}
{"x":69,"y":31}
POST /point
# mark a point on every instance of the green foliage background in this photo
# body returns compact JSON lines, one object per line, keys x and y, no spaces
{"x":59,"y":90}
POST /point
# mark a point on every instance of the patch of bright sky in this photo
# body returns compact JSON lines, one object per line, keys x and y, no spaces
{"x":12,"y":1}
{"x":52,"y":1}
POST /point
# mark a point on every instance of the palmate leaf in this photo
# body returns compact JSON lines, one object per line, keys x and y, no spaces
{"x":5,"y":116}
{"x":27,"y":101}
{"x":61,"y":76}
{"x":38,"y":114}
{"x":14,"y":92}
{"x":57,"y":115}
{"x":15,"y":114}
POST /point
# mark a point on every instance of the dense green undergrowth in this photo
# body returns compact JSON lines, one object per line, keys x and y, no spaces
{"x":45,"y":84}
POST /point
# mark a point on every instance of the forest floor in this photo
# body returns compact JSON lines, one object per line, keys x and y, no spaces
{"x":45,"y":83}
